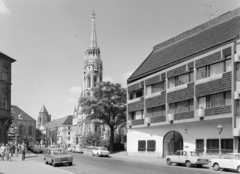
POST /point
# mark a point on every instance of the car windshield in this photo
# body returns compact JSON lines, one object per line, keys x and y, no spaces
{"x":194,"y":154}
{"x":59,"y":152}
{"x":102,"y":148}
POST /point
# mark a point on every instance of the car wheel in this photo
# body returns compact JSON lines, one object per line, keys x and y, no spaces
{"x":238,"y":169}
{"x":53,"y":164}
{"x":70,"y":164}
{"x":169,"y":162}
{"x":216,"y":167}
{"x":46,"y":162}
{"x":188,"y":164}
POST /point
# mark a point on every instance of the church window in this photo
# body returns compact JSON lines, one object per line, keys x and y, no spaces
{"x":5,"y":74}
{"x":89,"y":82}
{"x":95,"y":81}
{"x":4,"y":101}
{"x":30,"y":130}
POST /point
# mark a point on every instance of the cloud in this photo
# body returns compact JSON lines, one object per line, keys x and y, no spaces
{"x":108,"y":78}
{"x":3,"y":9}
{"x":75,"y":90}
{"x":70,"y":100}
{"x":127,"y":75}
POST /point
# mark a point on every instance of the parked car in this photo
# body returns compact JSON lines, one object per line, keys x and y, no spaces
{"x":56,"y":156}
{"x":69,"y":149}
{"x":78,"y":149}
{"x":188,"y":158}
{"x":229,"y":161}
{"x":100,"y":151}
{"x":35,"y":149}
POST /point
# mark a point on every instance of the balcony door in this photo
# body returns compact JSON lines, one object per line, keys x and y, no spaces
{"x":172,"y":142}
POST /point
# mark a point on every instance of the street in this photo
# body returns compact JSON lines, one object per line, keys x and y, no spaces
{"x":85,"y":164}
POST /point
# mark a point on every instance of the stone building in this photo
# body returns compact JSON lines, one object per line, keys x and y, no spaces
{"x":26,"y":125}
{"x":5,"y":96}
{"x":185,"y":88}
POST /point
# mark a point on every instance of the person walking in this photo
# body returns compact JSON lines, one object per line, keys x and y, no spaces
{"x":7,"y":151}
{"x":24,"y":150}
{"x":19,"y":149}
{"x":3,"y":148}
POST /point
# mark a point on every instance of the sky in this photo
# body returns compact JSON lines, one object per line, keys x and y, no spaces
{"x":48,"y":38}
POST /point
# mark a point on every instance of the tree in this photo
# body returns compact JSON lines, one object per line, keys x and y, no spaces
{"x":39,"y":135}
{"x":107,"y":105}
{"x":53,"y":135}
{"x":92,"y":139}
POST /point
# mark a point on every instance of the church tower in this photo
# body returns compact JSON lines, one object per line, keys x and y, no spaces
{"x":91,"y":74}
{"x":43,"y":117}
{"x":92,"y":67}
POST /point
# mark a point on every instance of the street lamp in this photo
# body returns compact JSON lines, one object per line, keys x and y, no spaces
{"x":15,"y":131}
{"x":219,"y":128}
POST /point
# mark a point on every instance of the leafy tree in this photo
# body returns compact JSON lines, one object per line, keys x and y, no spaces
{"x":39,"y":135}
{"x":92,"y":139}
{"x":53,"y":135}
{"x":107,"y":105}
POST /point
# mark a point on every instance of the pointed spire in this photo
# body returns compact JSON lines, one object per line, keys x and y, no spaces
{"x":43,"y":109}
{"x":93,"y":43}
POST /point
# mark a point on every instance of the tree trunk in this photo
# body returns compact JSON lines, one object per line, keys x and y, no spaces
{"x":111,"y":140}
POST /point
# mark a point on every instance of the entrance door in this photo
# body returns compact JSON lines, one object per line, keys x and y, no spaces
{"x":172,"y":142}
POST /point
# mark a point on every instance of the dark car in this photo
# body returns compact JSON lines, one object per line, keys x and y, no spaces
{"x":35,"y":149}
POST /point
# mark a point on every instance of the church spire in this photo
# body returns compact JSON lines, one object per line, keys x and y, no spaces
{"x":93,"y":43}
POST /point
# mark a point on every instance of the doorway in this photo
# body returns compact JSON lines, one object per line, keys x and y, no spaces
{"x":172,"y":142}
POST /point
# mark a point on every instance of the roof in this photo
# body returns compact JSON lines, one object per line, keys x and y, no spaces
{"x":60,"y":121}
{"x":208,"y":35}
{"x":43,"y":109}
{"x":19,"y":113}
{"x":2,"y":55}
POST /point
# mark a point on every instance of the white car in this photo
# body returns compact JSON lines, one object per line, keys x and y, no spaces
{"x":78,"y":149}
{"x":229,"y":161}
{"x":69,"y":149}
{"x":188,"y":158}
{"x":100,"y":151}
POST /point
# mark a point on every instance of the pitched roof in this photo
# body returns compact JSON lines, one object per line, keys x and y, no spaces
{"x":43,"y":109}
{"x":20,"y":113}
{"x":60,"y":121}
{"x":215,"y":32}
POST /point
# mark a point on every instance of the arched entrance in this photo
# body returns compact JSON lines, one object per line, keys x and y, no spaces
{"x":172,"y":142}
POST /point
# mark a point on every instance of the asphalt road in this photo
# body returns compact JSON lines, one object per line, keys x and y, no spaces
{"x":86,"y":164}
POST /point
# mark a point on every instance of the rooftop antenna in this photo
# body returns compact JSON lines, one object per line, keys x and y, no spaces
{"x":209,"y":13}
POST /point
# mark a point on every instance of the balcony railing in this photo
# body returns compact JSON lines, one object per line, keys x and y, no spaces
{"x":217,"y":103}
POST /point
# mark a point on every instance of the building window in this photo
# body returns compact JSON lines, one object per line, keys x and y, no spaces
{"x":68,"y":133}
{"x":21,"y":130}
{"x":151,"y":145}
{"x":215,"y":100}
{"x":214,"y":69}
{"x":30,"y":130}
{"x":181,"y":80}
{"x":182,"y":106}
{"x":213,"y":145}
{"x":155,"y":88}
{"x":238,"y":72}
{"x":156,"y":111}
{"x":95,"y":81}
{"x":200,"y":146}
{"x":5,"y":74}
{"x":89,"y":82}
{"x":4,"y":101}
{"x":135,"y":94}
{"x":68,"y":127}
{"x":141,"y":145}
{"x":69,"y":138}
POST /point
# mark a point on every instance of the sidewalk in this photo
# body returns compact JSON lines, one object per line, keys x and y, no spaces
{"x":28,"y":166}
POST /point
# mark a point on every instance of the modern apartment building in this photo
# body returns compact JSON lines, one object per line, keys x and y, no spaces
{"x":184,"y":89}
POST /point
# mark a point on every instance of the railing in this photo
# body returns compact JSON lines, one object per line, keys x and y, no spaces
{"x":216,"y":151}
{"x":216,"y":103}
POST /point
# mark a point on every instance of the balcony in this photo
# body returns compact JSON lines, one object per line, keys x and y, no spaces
{"x":137,"y":122}
{"x":158,"y":119}
{"x":136,"y":106}
{"x":155,"y":100}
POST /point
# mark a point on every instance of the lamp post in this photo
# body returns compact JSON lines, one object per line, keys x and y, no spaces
{"x":16,"y":149}
{"x":219,"y":128}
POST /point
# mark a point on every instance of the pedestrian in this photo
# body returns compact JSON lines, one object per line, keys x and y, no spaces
{"x":7,"y":151}
{"x":24,"y":150}
{"x":3,"y":148}
{"x":19,"y":149}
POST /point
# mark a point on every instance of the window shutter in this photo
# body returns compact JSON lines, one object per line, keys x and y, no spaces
{"x":151,"y":145}
{"x":141,"y":145}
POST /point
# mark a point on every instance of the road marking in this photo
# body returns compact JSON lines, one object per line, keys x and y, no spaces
{"x":54,"y":167}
